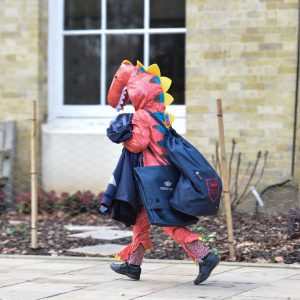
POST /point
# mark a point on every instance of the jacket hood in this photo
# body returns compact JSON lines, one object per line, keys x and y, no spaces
{"x":145,"y":87}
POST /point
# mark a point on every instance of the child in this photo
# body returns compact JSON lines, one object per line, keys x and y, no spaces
{"x":147,"y":91}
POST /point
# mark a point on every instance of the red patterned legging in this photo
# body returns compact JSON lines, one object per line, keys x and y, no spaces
{"x":141,"y":236}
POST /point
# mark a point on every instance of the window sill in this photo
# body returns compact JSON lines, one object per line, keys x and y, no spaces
{"x":85,"y":122}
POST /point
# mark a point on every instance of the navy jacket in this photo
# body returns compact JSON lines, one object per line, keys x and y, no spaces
{"x":121,"y":198}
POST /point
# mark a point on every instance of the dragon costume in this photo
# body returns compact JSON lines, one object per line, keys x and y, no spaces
{"x":148,"y":90}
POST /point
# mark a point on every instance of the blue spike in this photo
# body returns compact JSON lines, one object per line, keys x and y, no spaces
{"x":162,"y":143}
{"x":161,"y":98}
{"x":160,"y":129}
{"x":155,"y":79}
{"x":142,"y":70}
{"x":160,"y":115}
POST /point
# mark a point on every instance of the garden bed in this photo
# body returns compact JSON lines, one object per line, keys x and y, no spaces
{"x":258,"y":238}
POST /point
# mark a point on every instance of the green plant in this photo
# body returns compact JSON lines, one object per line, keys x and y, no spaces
{"x":205,"y":237}
{"x":18,"y":229}
{"x":215,"y":251}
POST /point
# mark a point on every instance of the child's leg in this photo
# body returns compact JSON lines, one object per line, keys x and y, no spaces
{"x":134,"y":252}
{"x":137,"y":256}
{"x":191,"y":242}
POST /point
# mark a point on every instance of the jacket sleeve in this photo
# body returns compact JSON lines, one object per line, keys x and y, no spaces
{"x":140,"y":137}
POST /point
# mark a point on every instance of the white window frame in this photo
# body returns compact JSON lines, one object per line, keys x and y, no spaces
{"x":56,"y":108}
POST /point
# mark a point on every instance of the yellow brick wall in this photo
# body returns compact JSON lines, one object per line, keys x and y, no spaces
{"x":22,"y":72}
{"x":245,"y":53}
{"x":241,"y":51}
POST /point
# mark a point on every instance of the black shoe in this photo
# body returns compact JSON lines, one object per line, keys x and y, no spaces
{"x":206,"y":266}
{"x":127,"y":269}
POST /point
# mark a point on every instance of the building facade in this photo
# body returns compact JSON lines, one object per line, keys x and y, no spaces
{"x":63,"y":53}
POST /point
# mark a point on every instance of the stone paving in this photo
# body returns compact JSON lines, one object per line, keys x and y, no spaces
{"x":41,"y":277}
{"x":102,"y":233}
{"x":102,"y":249}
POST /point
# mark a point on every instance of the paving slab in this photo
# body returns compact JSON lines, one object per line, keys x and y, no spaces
{"x":255,"y":275}
{"x":261,"y":297}
{"x":36,"y":290}
{"x":294,"y":277}
{"x":191,"y":269}
{"x":210,"y":289}
{"x":288,"y":289}
{"x":15,"y":276}
{"x":91,"y":278}
{"x":55,"y":267}
{"x":103,"y":250}
{"x":88,"y":228}
{"x":104,"y":235}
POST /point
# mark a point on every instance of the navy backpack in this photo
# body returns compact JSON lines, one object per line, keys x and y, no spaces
{"x":156,"y":185}
{"x":198,"y":190}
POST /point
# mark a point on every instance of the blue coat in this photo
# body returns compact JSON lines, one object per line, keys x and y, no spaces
{"x":121,"y":196}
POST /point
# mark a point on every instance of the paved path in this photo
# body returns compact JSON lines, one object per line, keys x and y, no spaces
{"x":28,"y":277}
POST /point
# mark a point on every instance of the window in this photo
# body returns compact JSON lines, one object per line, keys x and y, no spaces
{"x":89,"y":39}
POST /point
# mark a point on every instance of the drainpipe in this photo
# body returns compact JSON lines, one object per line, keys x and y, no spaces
{"x":296,"y":97}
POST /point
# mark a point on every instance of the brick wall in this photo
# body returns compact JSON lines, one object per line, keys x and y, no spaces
{"x":22,"y":70}
{"x":241,"y":51}
{"x":245,"y":53}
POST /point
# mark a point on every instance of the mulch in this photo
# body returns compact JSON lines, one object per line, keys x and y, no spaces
{"x":258,"y":238}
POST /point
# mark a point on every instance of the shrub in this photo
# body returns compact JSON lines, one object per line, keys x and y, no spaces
{"x":80,"y":202}
{"x":49,"y":202}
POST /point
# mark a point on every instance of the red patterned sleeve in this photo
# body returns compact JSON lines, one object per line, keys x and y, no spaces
{"x":140,"y":137}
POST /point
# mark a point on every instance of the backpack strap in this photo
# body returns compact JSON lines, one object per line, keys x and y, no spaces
{"x":169,"y":130}
{"x":156,"y":119}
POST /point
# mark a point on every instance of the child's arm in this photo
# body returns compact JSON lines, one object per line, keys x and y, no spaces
{"x":140,"y":137}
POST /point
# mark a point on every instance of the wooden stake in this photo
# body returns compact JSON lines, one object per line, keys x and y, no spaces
{"x":34,"y":179}
{"x":226,"y":191}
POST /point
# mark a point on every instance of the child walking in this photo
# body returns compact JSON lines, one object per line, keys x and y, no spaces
{"x":147,"y":91}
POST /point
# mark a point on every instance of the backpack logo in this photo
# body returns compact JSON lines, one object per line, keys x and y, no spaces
{"x":213,"y":189}
{"x":167,"y":187}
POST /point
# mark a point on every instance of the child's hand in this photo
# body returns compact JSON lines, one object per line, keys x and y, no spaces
{"x":103,"y":209}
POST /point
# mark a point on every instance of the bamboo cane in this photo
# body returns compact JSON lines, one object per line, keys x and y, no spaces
{"x":34,"y":183}
{"x":226,"y":192}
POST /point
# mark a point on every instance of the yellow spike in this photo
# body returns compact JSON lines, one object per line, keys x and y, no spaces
{"x":165,"y":83}
{"x":138,"y":63}
{"x":126,"y":62}
{"x":168,"y":99}
{"x":172,"y":118}
{"x":154,"y":70}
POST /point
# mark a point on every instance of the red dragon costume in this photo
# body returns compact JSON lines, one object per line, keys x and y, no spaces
{"x":148,"y":90}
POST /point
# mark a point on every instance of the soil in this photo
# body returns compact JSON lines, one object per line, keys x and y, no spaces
{"x":257,"y":238}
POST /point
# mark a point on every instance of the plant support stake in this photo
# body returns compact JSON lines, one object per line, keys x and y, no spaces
{"x":33,"y":175}
{"x":226,"y":191}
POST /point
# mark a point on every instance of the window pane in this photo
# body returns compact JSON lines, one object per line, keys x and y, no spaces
{"x":168,"y":52}
{"x":125,"y":14}
{"x":82,"y":14}
{"x":167,"y":13}
{"x":120,"y":47}
{"x":82,"y":70}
